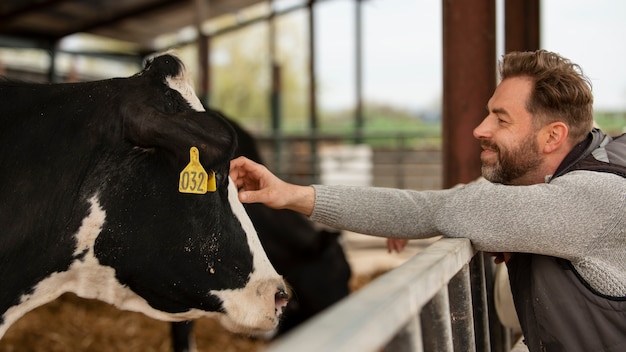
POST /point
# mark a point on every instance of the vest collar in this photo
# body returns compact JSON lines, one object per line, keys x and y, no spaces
{"x":579,"y":152}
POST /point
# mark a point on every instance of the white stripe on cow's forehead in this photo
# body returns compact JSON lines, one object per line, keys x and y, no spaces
{"x":184,"y":85}
{"x":262,"y":267}
{"x":261,"y":288}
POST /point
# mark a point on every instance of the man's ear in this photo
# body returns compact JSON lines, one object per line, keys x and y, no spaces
{"x":553,"y":136}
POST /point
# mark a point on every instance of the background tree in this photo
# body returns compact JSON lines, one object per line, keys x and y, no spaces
{"x":241,"y":75}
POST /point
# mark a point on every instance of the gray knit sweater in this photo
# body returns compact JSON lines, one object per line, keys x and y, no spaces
{"x":580,"y":216}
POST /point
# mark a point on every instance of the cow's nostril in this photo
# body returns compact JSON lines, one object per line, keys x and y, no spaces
{"x":281,"y":294}
{"x":281,"y":299}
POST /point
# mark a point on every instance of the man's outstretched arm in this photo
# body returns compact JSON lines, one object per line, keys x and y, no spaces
{"x":256,"y":184}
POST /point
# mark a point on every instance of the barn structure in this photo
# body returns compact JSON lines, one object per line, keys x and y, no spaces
{"x":469,"y":32}
{"x":469,"y":52}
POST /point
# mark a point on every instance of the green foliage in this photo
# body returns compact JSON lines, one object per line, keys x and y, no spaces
{"x":241,"y":79}
{"x":613,"y":123}
{"x":383,"y":126}
{"x":239,"y":76}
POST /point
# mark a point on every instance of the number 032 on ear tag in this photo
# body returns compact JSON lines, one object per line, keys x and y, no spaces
{"x":194,"y":179}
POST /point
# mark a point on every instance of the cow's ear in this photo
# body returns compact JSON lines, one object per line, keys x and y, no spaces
{"x":177,"y":133}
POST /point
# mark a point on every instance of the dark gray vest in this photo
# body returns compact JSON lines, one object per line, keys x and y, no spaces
{"x":557,"y":309}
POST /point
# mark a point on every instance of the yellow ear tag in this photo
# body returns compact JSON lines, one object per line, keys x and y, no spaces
{"x":194,"y":179}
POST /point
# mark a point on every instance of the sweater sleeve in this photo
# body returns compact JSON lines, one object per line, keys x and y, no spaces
{"x":384,"y":212}
{"x":564,"y":218}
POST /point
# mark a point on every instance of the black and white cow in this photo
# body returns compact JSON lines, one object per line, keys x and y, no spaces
{"x":92,"y":202}
{"x":311,"y":259}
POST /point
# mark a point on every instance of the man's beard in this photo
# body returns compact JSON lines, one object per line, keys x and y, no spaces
{"x":513,"y":163}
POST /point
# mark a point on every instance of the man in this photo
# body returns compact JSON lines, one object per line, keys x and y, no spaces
{"x":553,"y":212}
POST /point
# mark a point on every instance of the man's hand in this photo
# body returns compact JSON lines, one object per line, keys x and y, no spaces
{"x":396,"y":244}
{"x":256,"y":184}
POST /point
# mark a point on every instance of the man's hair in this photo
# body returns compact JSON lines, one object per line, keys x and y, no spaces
{"x":561,"y":92}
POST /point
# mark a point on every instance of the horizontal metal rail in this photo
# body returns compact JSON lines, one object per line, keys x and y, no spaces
{"x":425,"y":304}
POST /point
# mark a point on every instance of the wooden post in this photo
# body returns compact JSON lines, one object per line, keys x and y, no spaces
{"x":521,"y":25}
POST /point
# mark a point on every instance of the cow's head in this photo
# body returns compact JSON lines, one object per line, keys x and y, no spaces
{"x":126,"y":234}
{"x":183,"y":253}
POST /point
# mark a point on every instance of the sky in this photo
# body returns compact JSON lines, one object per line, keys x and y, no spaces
{"x":402,"y":49}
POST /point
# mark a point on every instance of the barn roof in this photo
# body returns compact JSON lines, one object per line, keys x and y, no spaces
{"x":42,"y":23}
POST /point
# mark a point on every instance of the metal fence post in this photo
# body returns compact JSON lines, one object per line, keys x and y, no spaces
{"x":436,"y":326}
{"x":409,"y":339}
{"x":461,"y":312}
{"x":479,"y":303}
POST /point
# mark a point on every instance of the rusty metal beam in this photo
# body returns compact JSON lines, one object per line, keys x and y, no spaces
{"x":521,"y":25}
{"x":13,"y":9}
{"x":358,"y":74}
{"x":313,"y":123}
{"x":201,"y":11}
{"x":469,"y":78}
{"x":313,"y":118}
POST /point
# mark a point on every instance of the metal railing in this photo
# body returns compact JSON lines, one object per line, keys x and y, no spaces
{"x":439,"y":300}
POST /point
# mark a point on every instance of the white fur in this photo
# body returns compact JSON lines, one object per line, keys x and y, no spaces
{"x":184,"y":85}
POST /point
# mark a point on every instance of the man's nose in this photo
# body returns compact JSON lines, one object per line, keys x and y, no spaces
{"x":481,"y":131}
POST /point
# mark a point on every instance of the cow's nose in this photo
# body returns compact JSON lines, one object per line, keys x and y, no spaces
{"x":281,"y":298}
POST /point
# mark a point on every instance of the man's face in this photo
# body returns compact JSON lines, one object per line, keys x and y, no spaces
{"x":507,"y":136}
